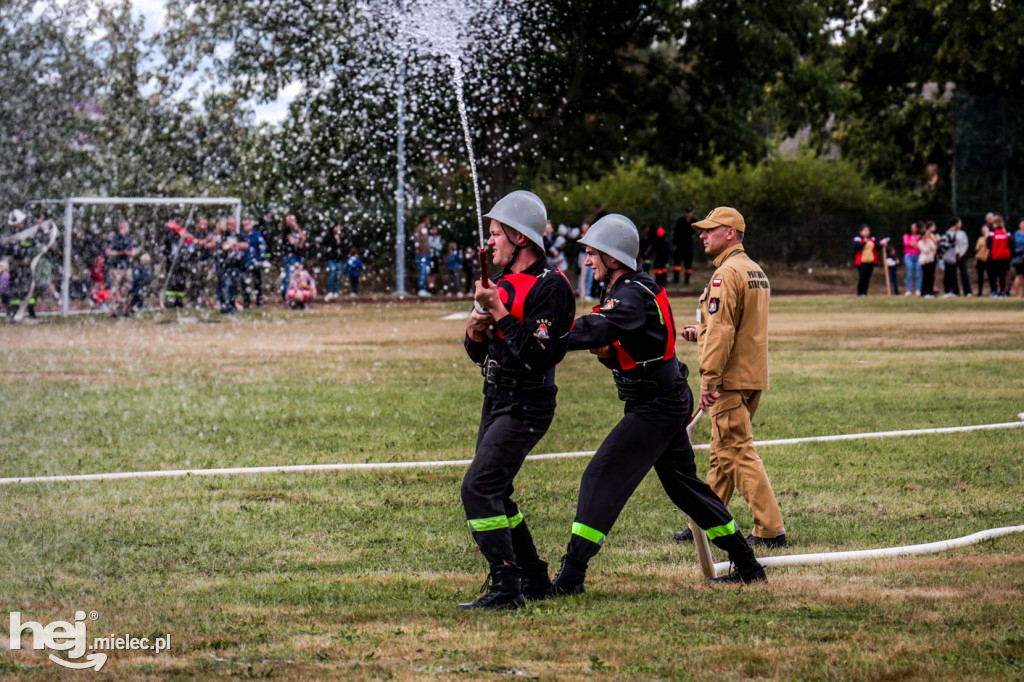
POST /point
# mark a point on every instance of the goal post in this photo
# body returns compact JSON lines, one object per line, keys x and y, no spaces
{"x":71,"y":202}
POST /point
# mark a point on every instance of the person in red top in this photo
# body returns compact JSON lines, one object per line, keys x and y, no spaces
{"x":866,"y":257}
{"x":912,"y":259}
{"x":1000,"y":251}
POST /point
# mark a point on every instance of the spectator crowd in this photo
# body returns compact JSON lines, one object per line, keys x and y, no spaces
{"x":213,"y":264}
{"x":931,"y":259}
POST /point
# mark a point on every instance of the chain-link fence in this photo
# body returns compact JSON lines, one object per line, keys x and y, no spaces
{"x":988,"y":157}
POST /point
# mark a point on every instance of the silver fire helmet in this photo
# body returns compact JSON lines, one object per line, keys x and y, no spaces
{"x":616,"y":236}
{"x":524,"y":212}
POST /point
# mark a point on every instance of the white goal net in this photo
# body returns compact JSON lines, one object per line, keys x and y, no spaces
{"x":71,"y":269}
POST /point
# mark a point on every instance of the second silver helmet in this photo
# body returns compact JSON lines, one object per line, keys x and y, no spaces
{"x":615,"y":235}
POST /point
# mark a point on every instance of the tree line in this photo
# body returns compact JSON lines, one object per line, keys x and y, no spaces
{"x":562,"y":95}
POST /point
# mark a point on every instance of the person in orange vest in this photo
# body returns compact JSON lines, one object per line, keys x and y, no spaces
{"x":866,"y":257}
{"x":1000,"y":251}
{"x":660,"y":251}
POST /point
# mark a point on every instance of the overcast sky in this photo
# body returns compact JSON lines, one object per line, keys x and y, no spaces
{"x":274,"y":112}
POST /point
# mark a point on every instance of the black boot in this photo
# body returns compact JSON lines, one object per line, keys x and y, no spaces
{"x":735,"y":576}
{"x":536,"y":583}
{"x":569,"y":580}
{"x":746,"y":568}
{"x":776,"y":542}
{"x":506,"y":591}
{"x":683,"y":536}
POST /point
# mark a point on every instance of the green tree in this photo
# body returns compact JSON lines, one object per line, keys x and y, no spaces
{"x":50,"y":76}
{"x":903,"y":60}
{"x":88,"y":114}
{"x":594,"y":83}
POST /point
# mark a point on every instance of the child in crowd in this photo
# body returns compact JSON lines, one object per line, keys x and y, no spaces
{"x":301,"y":288}
{"x":5,"y":288}
{"x":893,"y":263}
{"x":142,"y":276}
{"x":558,"y":258}
{"x":454,"y":270}
{"x":98,"y":292}
{"x":354,"y":268}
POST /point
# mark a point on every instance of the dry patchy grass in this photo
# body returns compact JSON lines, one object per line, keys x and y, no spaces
{"x":355,"y":576}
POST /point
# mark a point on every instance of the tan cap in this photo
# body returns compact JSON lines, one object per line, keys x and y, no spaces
{"x":723,"y":216}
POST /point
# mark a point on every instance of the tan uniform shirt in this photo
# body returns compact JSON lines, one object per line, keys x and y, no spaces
{"x":732,"y":319}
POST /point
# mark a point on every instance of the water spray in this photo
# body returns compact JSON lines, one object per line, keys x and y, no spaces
{"x":460,"y":96}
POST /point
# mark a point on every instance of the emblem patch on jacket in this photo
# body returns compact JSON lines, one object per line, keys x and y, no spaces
{"x":716,"y":282}
{"x":542,"y":332}
{"x":610,"y":304}
{"x":713,"y":306}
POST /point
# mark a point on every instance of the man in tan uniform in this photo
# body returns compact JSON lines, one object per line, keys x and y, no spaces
{"x":732,"y":343}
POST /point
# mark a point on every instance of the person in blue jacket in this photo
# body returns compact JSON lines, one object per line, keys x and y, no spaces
{"x":354,"y":268}
{"x":253,"y":259}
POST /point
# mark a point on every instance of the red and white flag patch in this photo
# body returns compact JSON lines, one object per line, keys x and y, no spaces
{"x":716,"y":282}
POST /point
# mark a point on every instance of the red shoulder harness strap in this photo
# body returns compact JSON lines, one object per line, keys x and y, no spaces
{"x":626,"y":361}
{"x":518,"y":286}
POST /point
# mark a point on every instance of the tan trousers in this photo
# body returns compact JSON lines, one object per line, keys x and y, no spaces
{"x":735,"y":464}
{"x":120,"y":286}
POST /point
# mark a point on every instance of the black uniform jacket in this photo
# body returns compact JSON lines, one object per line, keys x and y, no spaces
{"x":534,"y":337}
{"x":636,"y":320}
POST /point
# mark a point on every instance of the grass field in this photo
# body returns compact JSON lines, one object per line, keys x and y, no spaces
{"x":356,"y":574}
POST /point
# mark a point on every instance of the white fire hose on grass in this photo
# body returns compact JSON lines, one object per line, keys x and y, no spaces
{"x":884,"y":553}
{"x":717,"y":568}
{"x":723,"y":567}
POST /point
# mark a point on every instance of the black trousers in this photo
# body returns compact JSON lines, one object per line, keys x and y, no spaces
{"x":21,"y":282}
{"x":197,"y":281}
{"x":228,"y":278}
{"x":982,"y":267}
{"x":928,"y":279}
{"x":965,"y":277}
{"x":949,"y":284}
{"x":508,"y":431}
{"x":865,"y":270}
{"x":684,"y":258}
{"x":997,"y":275}
{"x":651,"y":434}
{"x":252,"y":283}
{"x":174,"y":291}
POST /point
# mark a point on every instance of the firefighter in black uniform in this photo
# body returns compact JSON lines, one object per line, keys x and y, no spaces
{"x":682,"y":243}
{"x":660,"y":250}
{"x":21,"y":252}
{"x":517,"y":338}
{"x":633,"y":334}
